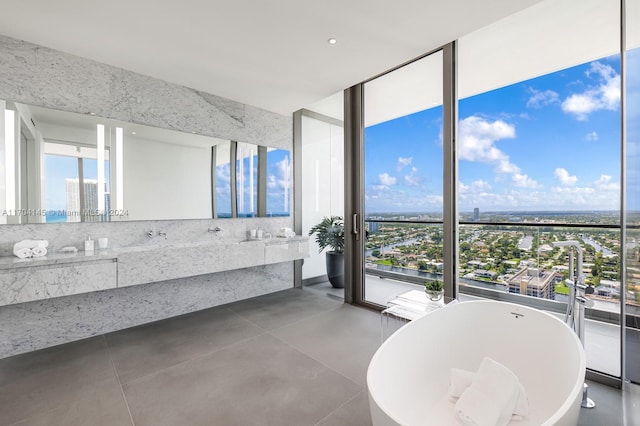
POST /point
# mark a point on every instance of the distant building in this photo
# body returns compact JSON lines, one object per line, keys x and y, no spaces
{"x":477,"y":263}
{"x":373,"y":226}
{"x":90,"y":192}
{"x":476,"y":214}
{"x":72,"y":189}
{"x":534,"y":282}
{"x":481,"y":273}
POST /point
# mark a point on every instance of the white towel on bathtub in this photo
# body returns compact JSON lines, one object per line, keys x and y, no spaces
{"x":491,"y":398}
{"x":462,"y":379}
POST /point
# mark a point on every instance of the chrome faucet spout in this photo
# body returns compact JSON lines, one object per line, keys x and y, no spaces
{"x":577,"y":303}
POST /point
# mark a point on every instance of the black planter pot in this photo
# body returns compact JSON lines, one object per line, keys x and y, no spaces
{"x":335,"y":268}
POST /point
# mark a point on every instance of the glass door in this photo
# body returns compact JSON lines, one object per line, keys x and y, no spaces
{"x":632,"y":124}
{"x":403,"y":179}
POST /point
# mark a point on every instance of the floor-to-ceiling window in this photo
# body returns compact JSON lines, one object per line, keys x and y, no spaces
{"x":632,"y":125}
{"x":539,"y":161}
{"x":538,"y":164}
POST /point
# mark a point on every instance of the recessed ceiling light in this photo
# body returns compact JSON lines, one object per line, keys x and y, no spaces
{"x":92,"y":113}
{"x":133,"y":133}
{"x":332,"y":41}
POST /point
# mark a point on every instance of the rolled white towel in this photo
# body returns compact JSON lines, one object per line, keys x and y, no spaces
{"x":491,"y":398}
{"x":42,"y":243}
{"x":462,"y":379}
{"x":23,"y":253}
{"x":31,"y":244}
{"x":39,"y":251}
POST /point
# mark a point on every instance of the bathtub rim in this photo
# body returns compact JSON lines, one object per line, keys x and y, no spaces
{"x":574,"y":396}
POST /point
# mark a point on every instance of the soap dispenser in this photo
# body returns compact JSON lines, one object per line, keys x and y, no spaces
{"x":88,"y":244}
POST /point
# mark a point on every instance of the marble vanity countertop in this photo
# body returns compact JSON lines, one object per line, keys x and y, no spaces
{"x":277,"y":240}
{"x":12,"y":262}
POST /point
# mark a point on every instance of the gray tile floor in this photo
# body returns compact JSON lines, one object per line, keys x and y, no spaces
{"x":295,"y":357}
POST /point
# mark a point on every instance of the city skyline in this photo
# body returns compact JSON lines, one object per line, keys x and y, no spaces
{"x":527,"y":146}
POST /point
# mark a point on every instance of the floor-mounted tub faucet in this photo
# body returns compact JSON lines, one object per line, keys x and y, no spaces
{"x":577,"y":303}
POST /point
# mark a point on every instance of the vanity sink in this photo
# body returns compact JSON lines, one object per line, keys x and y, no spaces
{"x":145,"y":264}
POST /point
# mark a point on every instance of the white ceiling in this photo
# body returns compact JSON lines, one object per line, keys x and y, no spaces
{"x":271,"y":54}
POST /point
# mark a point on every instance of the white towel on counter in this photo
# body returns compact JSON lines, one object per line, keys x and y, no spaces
{"x":23,"y":253}
{"x":491,"y":398}
{"x":39,"y":251}
{"x":29,"y":248}
{"x":462,"y":379}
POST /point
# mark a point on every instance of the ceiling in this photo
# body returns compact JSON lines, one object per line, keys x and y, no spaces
{"x":270,"y":54}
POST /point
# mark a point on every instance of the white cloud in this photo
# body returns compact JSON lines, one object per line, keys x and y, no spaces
{"x":403,"y":162}
{"x":539,"y":98}
{"x":477,"y":142}
{"x":386,"y":179}
{"x":604,"y":184}
{"x":477,"y":186}
{"x":524,"y":181}
{"x":563,"y":176}
{"x":412,"y":179}
{"x":592,"y":137}
{"x":281,"y":178}
{"x":606,"y":95}
{"x":379,"y":187}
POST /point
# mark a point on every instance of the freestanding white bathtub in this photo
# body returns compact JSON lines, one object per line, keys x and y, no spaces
{"x":408,"y":377}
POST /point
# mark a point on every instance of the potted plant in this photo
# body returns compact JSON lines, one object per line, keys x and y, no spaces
{"x":330,"y":233}
{"x":434,"y":289}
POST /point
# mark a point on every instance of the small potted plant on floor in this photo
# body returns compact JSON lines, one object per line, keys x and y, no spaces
{"x":434,"y":289}
{"x":330,"y":233}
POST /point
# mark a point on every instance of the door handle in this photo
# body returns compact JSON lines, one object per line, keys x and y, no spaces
{"x":356,"y":231}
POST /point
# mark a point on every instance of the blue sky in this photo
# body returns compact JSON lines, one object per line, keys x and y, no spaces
{"x":549,"y":143}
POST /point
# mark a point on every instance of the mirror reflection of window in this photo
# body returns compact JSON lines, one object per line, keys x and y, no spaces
{"x":223,"y":181}
{"x":247,"y":179}
{"x":278,"y":182}
{"x":71,"y":189}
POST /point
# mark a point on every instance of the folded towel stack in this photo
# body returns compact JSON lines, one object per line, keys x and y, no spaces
{"x":286,"y":233}
{"x":491,"y":396}
{"x":30,"y":248}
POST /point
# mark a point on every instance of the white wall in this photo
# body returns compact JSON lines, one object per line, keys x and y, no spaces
{"x":155,"y":172}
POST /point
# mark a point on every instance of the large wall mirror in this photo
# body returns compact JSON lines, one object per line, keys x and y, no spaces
{"x":66,"y":167}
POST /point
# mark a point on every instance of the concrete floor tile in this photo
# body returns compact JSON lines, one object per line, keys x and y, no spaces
{"x":260,"y":381}
{"x":354,"y":412}
{"x":152,"y":347}
{"x":282,"y":308}
{"x":40,"y":381}
{"x":344,"y":339}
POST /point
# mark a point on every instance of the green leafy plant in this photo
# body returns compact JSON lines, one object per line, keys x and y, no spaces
{"x":330,"y":233}
{"x":433,"y":285}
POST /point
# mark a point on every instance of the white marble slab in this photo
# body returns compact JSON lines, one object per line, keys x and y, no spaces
{"x":44,"y":282}
{"x":12,"y":262}
{"x":30,"y":326}
{"x":41,"y":76}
